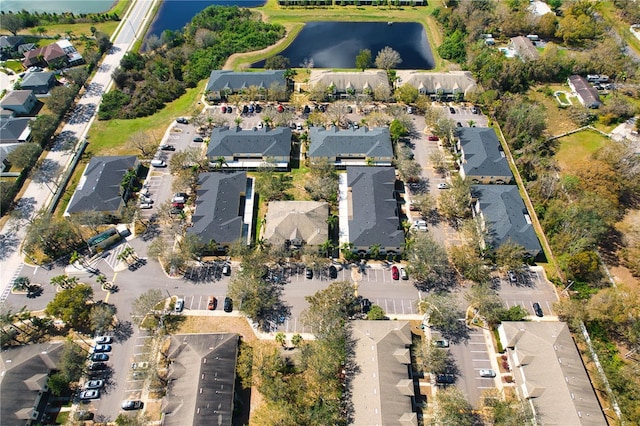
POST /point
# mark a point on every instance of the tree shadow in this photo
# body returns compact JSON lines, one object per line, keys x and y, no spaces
{"x":123,"y":331}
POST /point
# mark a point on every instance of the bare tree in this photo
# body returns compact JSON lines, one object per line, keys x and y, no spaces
{"x":387,"y":58}
{"x":337,"y":112}
{"x":142,"y":142}
{"x":46,"y":173}
{"x":382,"y":93}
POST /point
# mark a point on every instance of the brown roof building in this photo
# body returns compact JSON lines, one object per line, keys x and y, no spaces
{"x":586,"y":93}
{"x":525,"y":48}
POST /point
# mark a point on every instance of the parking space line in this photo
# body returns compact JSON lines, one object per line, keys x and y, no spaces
{"x":394,"y":306}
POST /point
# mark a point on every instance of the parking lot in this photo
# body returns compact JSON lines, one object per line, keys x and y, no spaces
{"x":529,"y":289}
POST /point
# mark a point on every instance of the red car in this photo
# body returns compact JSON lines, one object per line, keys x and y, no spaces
{"x":432,"y":138}
{"x":395,"y":273}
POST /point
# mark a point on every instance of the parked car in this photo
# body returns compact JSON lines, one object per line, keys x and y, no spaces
{"x":132,"y":405}
{"x":84,"y":415}
{"x":229,"y":110}
{"x":97,"y":366}
{"x":223,"y":109}
{"x":245,"y":109}
{"x":179,"y":305}
{"x":144,"y":199}
{"x":308,"y":273}
{"x":299,"y":127}
{"x":487,"y":373}
{"x":443,"y":186}
{"x":94,"y":384}
{"x":395,"y":273}
{"x":158,"y":163}
{"x":226,"y":269}
{"x":228,"y":304}
{"x":452,"y":110}
{"x":101,"y":348}
{"x":445,"y":379}
{"x":140,"y":365}
{"x":146,"y":206}
{"x":333,"y":272}
{"x":167,"y":148}
{"x":441,"y":343}
{"x":211,"y":304}
{"x":101,"y":340}
{"x":198,"y":139}
{"x":474,"y":110}
{"x":433,"y":138}
{"x":251,"y":109}
{"x":537,"y":309}
{"x":409,"y":110}
{"x":260,"y":125}
{"x":100,"y":357}
{"x":89,"y":394}
{"x":182,"y":120}
{"x":179,"y":197}
{"x":366,"y":305}
{"x":403,"y":274}
{"x":512,"y":276}
{"x":459,"y":124}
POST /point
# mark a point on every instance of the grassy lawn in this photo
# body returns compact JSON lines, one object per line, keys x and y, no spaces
{"x":109,"y":137}
{"x":563,"y":98}
{"x":558,"y":120}
{"x":578,"y":146}
{"x":293,"y":19}
{"x":15,"y":66}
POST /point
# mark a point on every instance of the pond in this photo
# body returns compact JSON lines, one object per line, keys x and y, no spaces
{"x":175,"y":14}
{"x":336,"y":44}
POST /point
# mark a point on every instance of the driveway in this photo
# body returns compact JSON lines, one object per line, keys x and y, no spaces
{"x":531,"y":287}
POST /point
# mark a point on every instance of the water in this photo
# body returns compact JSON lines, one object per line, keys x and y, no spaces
{"x":175,"y":14}
{"x":336,"y":44}
{"x":58,"y":6}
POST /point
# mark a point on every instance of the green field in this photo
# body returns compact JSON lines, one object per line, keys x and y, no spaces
{"x":577,"y":147}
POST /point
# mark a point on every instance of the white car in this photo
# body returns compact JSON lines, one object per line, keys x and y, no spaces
{"x":94,"y":384}
{"x":146,"y":205}
{"x":158,"y":163}
{"x":260,"y":125}
{"x":443,"y":186}
{"x":102,"y":340}
{"x":487,"y":373}
{"x":89,"y":394}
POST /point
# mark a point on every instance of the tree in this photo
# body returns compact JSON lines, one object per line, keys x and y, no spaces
{"x":143,"y":143}
{"x":363,"y":59}
{"x":387,"y":58}
{"x":329,"y":309}
{"x":452,"y":408}
{"x":433,"y":359}
{"x":453,"y":47}
{"x":21,"y":283}
{"x":376,"y":313}
{"x":296,"y":340}
{"x":337,"y":112}
{"x":468,"y":263}
{"x":147,"y":303}
{"x":397,"y":130}
{"x":281,"y":338}
{"x":24,"y":155}
{"x":277,"y":62}
{"x":487,"y":302}
{"x":510,"y":256}
{"x":42,"y":128}
{"x":454,"y":202}
{"x":102,"y":317}
{"x":427,"y":260}
{"x":444,"y":315}
{"x":64,"y":282}
{"x":12,"y":23}
{"x":73,"y":306}
{"x":382,"y":93}
{"x":406,"y":94}
{"x":61,"y":99}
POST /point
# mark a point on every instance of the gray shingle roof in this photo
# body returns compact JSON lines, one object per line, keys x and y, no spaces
{"x":586,"y":92}
{"x":26,"y":371}
{"x":265,"y":142}
{"x":525,"y":48}
{"x":202,"y":379}
{"x":99,"y":188}
{"x":504,"y":214}
{"x":373,"y":216}
{"x":432,"y":82}
{"x":10,"y":42}
{"x":13,"y":130}
{"x":234,"y":80}
{"x":382,"y":388}
{"x":218,"y":214}
{"x":552,"y":373}
{"x":483,"y":155}
{"x":334,"y":142}
{"x":16,"y":97}
{"x":37,"y":79}
{"x":354,"y":80}
{"x":304,"y":219}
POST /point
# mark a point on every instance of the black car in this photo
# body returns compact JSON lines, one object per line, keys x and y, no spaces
{"x":100,"y":357}
{"x":538,"y":310}
{"x":258,"y":109}
{"x":229,"y":110}
{"x":228,"y":304}
{"x":132,"y":405}
{"x":366,"y":305}
{"x":309,"y":273}
{"x":459,"y":124}
{"x":182,"y":120}
{"x":97,"y":366}
{"x":198,"y":139}
{"x":445,"y":379}
{"x":245,"y":109}
{"x":452,"y":110}
{"x":167,"y":148}
{"x":333,"y":272}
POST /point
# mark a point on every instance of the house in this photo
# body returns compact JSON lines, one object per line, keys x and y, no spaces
{"x":14,"y":130}
{"x":224,"y":209}
{"x":524,"y":48}
{"x":25,"y":395}
{"x":344,"y":84}
{"x":250,"y":149}
{"x":21,"y":102}
{"x":55,"y":56}
{"x":453,"y":85}
{"x":351,"y":147}
{"x":504,"y":217}
{"x":369,"y":213}
{"x":383,"y":388}
{"x":549,"y":373}
{"x":585,"y":92}
{"x":38,"y":82}
{"x":223,"y":83}
{"x":9,"y":45}
{"x":296,"y":223}
{"x":101,"y":186}
{"x":202,"y":376}
{"x":482,"y":159}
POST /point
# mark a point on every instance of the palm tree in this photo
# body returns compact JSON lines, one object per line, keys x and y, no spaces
{"x":238,"y":120}
{"x":21,"y":283}
{"x":332,"y":220}
{"x":374,"y":251}
{"x":280,"y":338}
{"x":296,"y":340}
{"x":101,"y":279}
{"x":327,"y":247}
{"x":220,"y":162}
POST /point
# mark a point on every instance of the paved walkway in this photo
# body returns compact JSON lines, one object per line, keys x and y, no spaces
{"x":38,"y":196}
